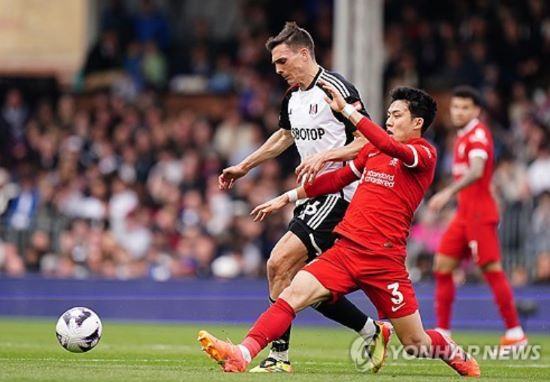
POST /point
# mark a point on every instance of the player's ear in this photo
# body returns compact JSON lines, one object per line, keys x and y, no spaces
{"x":304,"y":53}
{"x":418,"y":122}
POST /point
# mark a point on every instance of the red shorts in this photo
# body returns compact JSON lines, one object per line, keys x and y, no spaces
{"x":464,"y":238}
{"x":345,"y":268}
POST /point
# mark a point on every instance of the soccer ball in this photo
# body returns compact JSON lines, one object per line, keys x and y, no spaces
{"x":78,"y":329}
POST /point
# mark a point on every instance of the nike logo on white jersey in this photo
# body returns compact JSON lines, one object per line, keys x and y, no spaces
{"x":396,"y":308}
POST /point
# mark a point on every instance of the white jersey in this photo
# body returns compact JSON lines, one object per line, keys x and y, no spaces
{"x":315,"y":127}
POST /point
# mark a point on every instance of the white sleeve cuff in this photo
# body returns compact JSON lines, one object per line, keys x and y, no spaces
{"x":478,"y":153}
{"x":415,"y":153}
{"x":354,"y":169}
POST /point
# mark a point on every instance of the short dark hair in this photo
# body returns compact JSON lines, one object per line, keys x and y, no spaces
{"x":421,"y":104}
{"x":465,"y":91}
{"x":293,"y":36}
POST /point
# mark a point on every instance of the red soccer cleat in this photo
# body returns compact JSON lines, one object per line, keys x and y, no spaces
{"x":227,"y":355}
{"x":462,"y":362}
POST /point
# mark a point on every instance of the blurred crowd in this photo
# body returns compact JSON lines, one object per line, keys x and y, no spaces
{"x":126,"y":188}
{"x":501,"y":48}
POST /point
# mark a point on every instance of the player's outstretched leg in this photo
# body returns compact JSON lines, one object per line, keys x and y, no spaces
{"x":433,"y":344}
{"x":304,"y":290}
{"x":277,"y":361}
{"x":230,"y":357}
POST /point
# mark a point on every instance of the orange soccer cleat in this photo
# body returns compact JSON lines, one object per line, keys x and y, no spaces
{"x":513,"y":342}
{"x":462,"y":362}
{"x":227,"y":355}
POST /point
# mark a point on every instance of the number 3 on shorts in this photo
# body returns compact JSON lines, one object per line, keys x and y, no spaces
{"x":398,"y":296}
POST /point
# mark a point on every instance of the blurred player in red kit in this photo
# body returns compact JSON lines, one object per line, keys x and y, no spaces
{"x":394,"y":170}
{"x":473,"y":230}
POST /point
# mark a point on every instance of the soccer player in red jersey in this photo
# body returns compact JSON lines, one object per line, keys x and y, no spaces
{"x":473,"y":230}
{"x":394,"y":170}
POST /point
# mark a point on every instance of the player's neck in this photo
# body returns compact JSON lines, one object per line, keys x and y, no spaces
{"x":309,"y":76}
{"x":409,"y":138}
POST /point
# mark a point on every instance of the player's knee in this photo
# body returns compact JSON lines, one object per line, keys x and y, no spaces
{"x":412,"y":343}
{"x":442,"y":264}
{"x":493,"y":266}
{"x":275,"y":264}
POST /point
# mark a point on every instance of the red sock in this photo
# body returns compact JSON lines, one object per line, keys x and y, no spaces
{"x":444,"y":298}
{"x":503,"y":296}
{"x":440,"y":346}
{"x":270,"y":326}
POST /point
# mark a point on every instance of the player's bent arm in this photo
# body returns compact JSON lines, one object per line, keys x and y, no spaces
{"x":327,"y":183}
{"x":309,"y":168}
{"x":382,"y":141}
{"x":278,"y":142}
{"x":374,"y":133}
{"x":348,"y":151}
{"x":474,"y":172}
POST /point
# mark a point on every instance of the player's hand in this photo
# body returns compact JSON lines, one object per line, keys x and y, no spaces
{"x":229,"y":175}
{"x":264,"y":210}
{"x":336,"y":100}
{"x":439,"y":200}
{"x":308,"y":169}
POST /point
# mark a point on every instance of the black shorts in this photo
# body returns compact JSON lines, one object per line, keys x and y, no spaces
{"x":314,"y":221}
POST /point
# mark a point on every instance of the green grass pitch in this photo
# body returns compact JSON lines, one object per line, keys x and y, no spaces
{"x":161,"y":352}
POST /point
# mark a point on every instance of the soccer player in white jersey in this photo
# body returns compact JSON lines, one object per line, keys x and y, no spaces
{"x":325,"y":141}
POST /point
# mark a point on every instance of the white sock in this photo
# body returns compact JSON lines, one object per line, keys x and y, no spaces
{"x":514,"y":333}
{"x":246,"y":353}
{"x":279,"y":355}
{"x":368,"y":331}
{"x":445,"y":332}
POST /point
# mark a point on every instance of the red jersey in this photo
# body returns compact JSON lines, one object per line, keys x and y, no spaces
{"x":476,"y":200}
{"x":393,"y":180}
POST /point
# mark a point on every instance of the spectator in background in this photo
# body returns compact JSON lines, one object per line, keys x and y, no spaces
{"x":510,"y":181}
{"x":538,"y":171}
{"x":151,"y":25}
{"x":14,"y":114}
{"x":116,"y":17}
{"x":154,"y":66}
{"x":105,"y":55}
{"x":11,"y":263}
{"x":23,"y":207}
{"x":539,"y":243}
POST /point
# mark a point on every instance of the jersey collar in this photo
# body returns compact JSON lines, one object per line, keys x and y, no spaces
{"x":469,"y":126}
{"x":315,"y":79}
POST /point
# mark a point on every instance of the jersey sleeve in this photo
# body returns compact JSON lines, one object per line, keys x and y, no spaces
{"x":424,"y":156}
{"x":350,"y":94}
{"x":357,"y":165}
{"x":478,"y":144}
{"x":412,"y":155}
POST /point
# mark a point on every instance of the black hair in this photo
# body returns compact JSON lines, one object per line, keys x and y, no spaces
{"x":293,"y":36}
{"x":465,"y":91}
{"x":421,"y":104}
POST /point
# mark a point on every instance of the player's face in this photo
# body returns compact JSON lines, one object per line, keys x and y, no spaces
{"x":401,"y":125}
{"x":289,"y":63}
{"x":463,"y":110}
